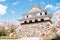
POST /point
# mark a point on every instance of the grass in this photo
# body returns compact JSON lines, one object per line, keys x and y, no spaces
{"x":8,"y":37}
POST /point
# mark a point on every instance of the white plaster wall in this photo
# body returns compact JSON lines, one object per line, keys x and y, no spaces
{"x":28,"y":21}
{"x":22,"y":22}
{"x":47,"y":18}
{"x":43,"y":13}
{"x":38,"y":14}
{"x":33,"y":20}
{"x":29,"y":16}
{"x":39,"y":19}
{"x":34,"y":15}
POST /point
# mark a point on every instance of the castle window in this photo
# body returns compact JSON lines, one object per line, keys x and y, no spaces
{"x":27,"y":16}
{"x":25,"y":21}
{"x":40,"y":13}
{"x":30,"y":21}
{"x":42,"y":20}
{"x":36,"y":20}
{"x":45,"y":13}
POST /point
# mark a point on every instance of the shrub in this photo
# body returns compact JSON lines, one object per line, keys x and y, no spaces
{"x":56,"y":38}
{"x":2,"y":33}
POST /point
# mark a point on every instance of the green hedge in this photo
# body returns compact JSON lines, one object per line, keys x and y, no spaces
{"x":2,"y":33}
{"x":8,"y":37}
{"x":56,"y":38}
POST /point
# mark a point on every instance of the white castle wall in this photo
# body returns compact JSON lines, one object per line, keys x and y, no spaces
{"x":46,"y":18}
{"x":21,"y":21}
{"x":43,"y":13}
{"x":29,"y":16}
{"x":38,"y":14}
{"x":27,"y":21}
{"x":39,"y":19}
{"x":33,"y":20}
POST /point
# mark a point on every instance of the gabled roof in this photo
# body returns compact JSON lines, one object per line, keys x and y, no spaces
{"x":35,"y":9}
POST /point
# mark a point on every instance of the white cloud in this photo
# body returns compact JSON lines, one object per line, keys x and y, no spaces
{"x":52,"y":7}
{"x":49,"y":6}
{"x":2,"y":0}
{"x":12,"y":11}
{"x":15,"y":3}
{"x":43,"y":3}
{"x":3,"y":9}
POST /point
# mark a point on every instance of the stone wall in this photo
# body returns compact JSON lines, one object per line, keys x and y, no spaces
{"x":44,"y":30}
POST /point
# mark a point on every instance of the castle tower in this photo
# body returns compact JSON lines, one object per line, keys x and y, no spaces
{"x":35,"y":15}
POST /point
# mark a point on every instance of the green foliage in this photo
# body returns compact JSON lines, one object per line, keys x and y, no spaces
{"x":2,"y":33}
{"x":56,"y":38}
{"x":8,"y":37}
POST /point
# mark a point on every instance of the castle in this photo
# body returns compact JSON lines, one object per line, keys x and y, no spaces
{"x":35,"y":16}
{"x":36,"y":23}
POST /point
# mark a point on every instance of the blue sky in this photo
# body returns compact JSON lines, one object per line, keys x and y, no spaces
{"x":14,"y":9}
